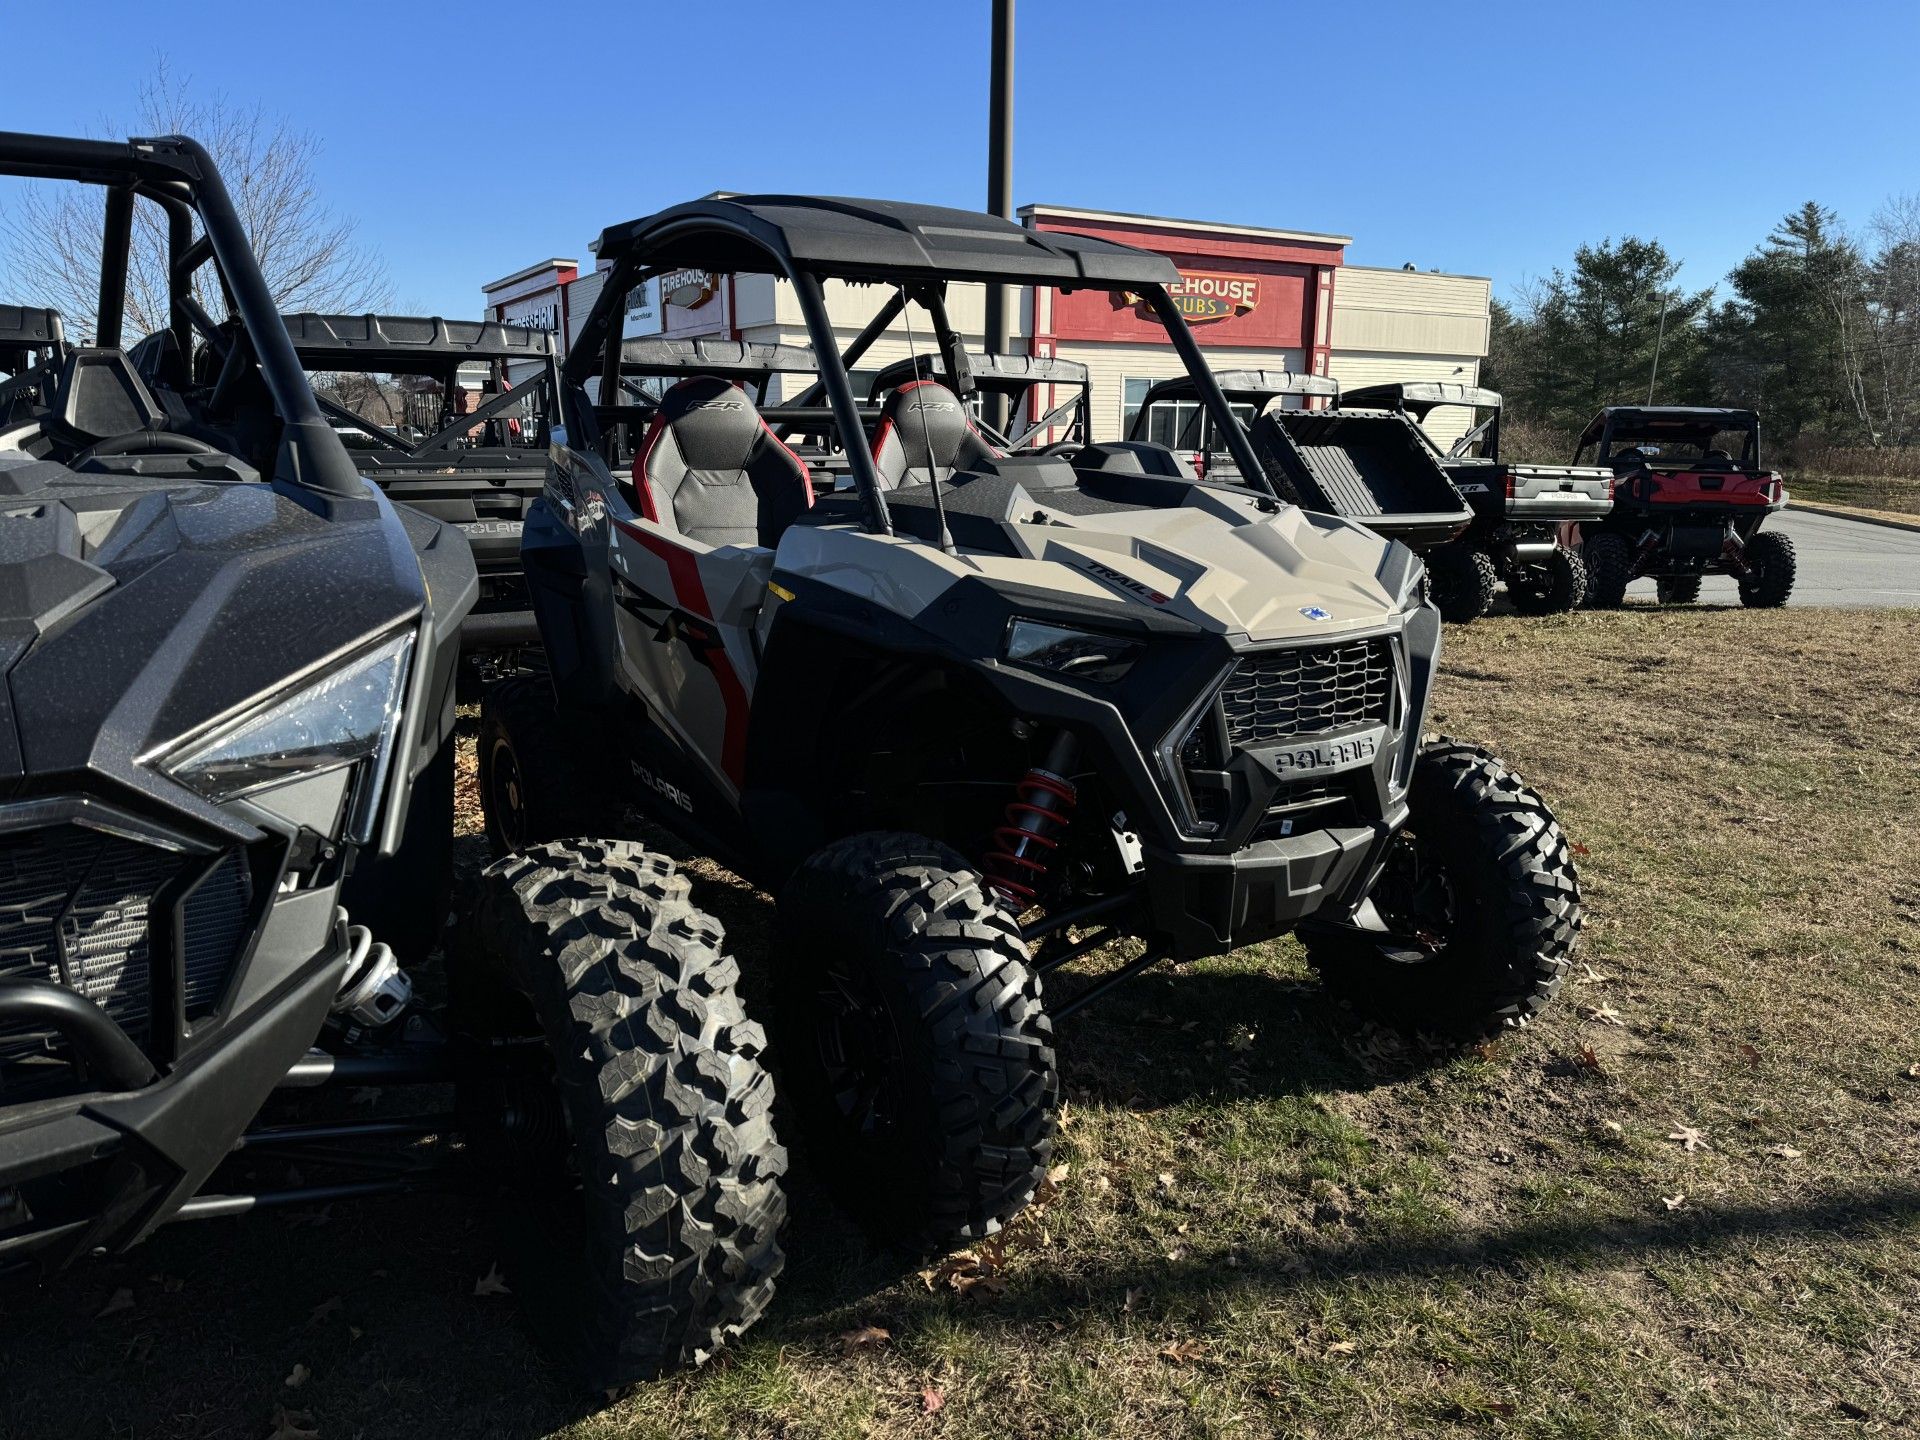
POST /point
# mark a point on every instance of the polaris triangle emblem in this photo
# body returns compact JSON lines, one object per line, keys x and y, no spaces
{"x":1314,"y":612}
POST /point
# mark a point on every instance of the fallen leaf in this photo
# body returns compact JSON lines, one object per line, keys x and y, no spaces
{"x":301,"y":1374}
{"x":1578,"y":849}
{"x":140,"y":1349}
{"x":1591,"y":976}
{"x":1783,"y":1152}
{"x":1243,"y":1038}
{"x":1605,"y":1014}
{"x":1588,"y":1060}
{"x":122,"y":1300}
{"x":1342,"y":1347}
{"x":1185,"y":1352}
{"x":1689,"y":1139}
{"x":1614,"y":1126}
{"x":932,"y":1402}
{"x":1673,"y":1202}
{"x":492,"y":1283}
{"x":865,"y":1337}
{"x":325,"y":1310}
{"x":1134,"y":1297}
{"x":1750,"y":1055}
{"x":293,"y":1425}
{"x":1165,"y":1177}
{"x":1179,"y":1252}
{"x":1913,"y":1071}
{"x":1058,"y":1174}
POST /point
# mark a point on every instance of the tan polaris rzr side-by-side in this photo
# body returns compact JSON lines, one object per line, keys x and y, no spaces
{"x":972,"y":714}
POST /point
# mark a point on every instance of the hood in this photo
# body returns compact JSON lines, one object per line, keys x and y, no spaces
{"x":136,"y":609}
{"x":1215,"y":562}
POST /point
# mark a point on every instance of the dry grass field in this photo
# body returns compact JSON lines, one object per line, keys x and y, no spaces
{"x":1684,"y":1204}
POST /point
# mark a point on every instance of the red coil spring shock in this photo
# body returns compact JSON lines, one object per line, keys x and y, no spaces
{"x":1041,"y":809}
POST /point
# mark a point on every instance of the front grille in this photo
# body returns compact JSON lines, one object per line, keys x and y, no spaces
{"x":217,"y":915}
{"x":81,"y":908}
{"x":1277,"y":695}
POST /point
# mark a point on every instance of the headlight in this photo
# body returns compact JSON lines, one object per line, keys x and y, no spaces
{"x":343,"y":718}
{"x":1077,"y":654}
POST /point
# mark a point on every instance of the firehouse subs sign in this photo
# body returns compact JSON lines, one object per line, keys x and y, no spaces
{"x":689,"y":289}
{"x":1204,"y":295}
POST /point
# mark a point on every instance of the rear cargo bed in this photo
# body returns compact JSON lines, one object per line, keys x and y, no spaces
{"x":1367,"y":465}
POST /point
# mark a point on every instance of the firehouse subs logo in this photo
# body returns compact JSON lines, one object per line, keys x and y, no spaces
{"x":689,"y":289}
{"x":1203,"y":295}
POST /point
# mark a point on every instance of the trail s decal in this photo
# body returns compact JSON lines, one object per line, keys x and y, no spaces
{"x":1127,"y":583}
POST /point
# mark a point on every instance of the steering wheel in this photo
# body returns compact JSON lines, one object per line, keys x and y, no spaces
{"x":143,"y":442}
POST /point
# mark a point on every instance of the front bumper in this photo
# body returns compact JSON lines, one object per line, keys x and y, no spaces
{"x":102,"y":1169}
{"x":1209,"y":904}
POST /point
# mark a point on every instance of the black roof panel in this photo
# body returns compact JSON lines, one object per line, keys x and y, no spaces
{"x":1421,"y":396}
{"x":879,"y":239}
{"x":394,"y":342}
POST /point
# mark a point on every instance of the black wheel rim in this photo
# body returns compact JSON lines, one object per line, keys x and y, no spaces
{"x":1416,"y":899}
{"x":506,"y":796}
{"x":860,"y":1054}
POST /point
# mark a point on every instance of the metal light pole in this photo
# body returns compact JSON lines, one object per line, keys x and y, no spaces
{"x":1000,"y":175}
{"x":1658,"y":336}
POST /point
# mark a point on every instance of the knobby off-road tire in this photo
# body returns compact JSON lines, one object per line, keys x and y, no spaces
{"x":1513,"y":897}
{"x":1549,"y":589}
{"x":1464,"y":580}
{"x":1677,"y":589}
{"x":642,"y":1232}
{"x":1770,"y":571}
{"x":912,"y":1040}
{"x":531,"y":790}
{"x":1609,"y":567}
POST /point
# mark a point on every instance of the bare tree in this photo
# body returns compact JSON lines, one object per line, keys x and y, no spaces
{"x":307,"y":252}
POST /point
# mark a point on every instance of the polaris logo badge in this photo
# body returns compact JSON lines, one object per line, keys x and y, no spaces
{"x":1126,"y":582}
{"x":1314,"y":612}
{"x":665,"y":789}
{"x":1327,"y":755}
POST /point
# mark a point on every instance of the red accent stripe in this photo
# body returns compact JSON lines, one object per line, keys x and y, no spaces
{"x":642,"y":487}
{"x":683,"y":570}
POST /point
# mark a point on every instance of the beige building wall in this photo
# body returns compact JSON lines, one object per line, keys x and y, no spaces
{"x":1410,"y":325}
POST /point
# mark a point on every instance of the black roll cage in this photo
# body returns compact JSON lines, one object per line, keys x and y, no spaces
{"x":323,"y":349}
{"x":1636,"y":424}
{"x":177,"y":174}
{"x":752,"y":243}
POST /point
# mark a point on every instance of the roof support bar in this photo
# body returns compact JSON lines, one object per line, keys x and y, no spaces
{"x":833,"y":375}
{"x":1208,"y":389}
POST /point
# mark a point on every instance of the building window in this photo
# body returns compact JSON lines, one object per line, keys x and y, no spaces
{"x":1133,"y":396}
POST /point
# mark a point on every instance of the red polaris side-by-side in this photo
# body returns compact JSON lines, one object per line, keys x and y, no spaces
{"x":1690,"y":497}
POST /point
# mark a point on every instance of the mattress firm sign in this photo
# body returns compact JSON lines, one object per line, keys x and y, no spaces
{"x":1204,"y":295}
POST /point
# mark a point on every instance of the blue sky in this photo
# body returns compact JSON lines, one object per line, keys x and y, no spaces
{"x":1485,"y":138}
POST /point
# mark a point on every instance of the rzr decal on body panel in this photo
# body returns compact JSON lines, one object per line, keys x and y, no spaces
{"x":690,"y":596}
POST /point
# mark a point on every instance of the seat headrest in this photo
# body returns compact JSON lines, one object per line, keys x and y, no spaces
{"x":714,"y":424}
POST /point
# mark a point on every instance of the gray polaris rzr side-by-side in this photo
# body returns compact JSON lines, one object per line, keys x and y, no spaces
{"x":981,"y":714}
{"x":227,"y":671}
{"x":1526,"y":517}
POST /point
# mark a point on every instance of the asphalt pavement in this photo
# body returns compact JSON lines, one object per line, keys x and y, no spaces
{"x":1840,"y":562}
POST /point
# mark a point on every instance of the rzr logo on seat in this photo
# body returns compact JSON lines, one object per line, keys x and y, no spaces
{"x":1126,"y":582}
{"x":931,"y":405}
{"x":718,"y":405}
